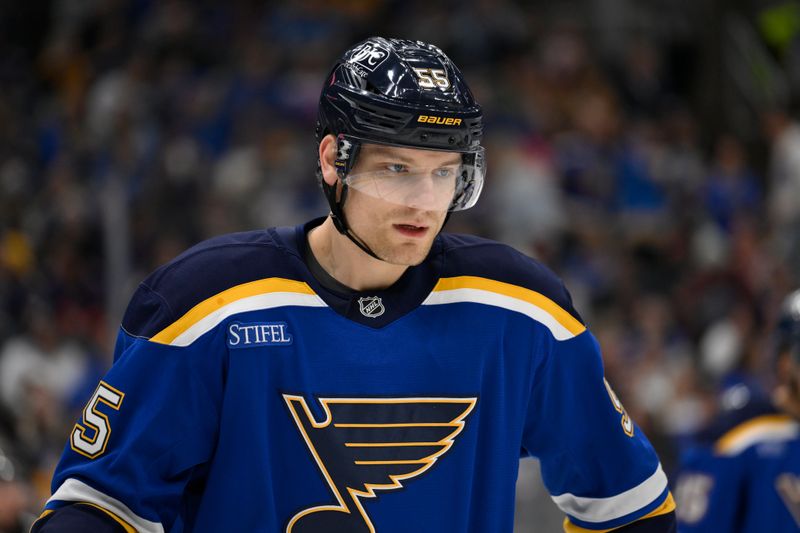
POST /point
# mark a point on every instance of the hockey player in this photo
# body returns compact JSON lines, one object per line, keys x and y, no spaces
{"x":748,"y":479}
{"x":363,"y":371}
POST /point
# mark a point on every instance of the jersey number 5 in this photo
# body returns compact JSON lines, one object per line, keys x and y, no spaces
{"x":627,"y":423}
{"x":92,"y":442}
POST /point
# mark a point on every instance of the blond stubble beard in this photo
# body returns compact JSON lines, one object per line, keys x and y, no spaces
{"x":388,"y":245}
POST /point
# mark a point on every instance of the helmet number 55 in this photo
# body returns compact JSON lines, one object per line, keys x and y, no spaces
{"x":90,"y":437}
{"x":430,"y":78}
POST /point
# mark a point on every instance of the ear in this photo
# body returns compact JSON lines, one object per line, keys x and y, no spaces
{"x":327,"y":156}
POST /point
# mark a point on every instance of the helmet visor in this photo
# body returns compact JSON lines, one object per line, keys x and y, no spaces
{"x":451,"y":184}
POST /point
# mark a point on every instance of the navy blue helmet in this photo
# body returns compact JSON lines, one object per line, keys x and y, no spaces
{"x":400,"y":93}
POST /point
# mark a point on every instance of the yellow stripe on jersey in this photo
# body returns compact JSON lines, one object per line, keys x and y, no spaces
{"x":126,"y":526}
{"x":761,"y":428}
{"x":226,"y":297}
{"x":44,"y":513}
{"x":666,"y":507}
{"x":541,"y":301}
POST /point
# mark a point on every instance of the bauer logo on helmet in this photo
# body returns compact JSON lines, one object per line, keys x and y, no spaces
{"x":442,"y":121}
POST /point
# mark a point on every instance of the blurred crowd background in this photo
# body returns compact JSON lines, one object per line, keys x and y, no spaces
{"x":646,"y":151}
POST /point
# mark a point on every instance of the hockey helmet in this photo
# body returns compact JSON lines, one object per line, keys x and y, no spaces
{"x":406,"y":94}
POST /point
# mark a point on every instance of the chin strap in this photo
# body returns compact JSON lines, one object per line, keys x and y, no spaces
{"x":347,"y":232}
{"x":339,"y":220}
{"x":346,"y":152}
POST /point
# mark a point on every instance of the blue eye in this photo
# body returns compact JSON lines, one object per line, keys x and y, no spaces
{"x":443,"y":172}
{"x":397,"y":167}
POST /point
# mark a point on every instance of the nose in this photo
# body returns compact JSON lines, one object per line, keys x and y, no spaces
{"x":423,"y":194}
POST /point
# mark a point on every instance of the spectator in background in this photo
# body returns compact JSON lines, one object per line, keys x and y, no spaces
{"x":783,"y":203}
{"x":40,"y":373}
{"x":15,"y":502}
{"x":17,"y":498}
{"x":731,"y":189}
{"x":525,"y":195}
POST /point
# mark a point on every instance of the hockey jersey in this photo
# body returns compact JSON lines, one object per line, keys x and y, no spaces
{"x":747,"y":481}
{"x":245,"y":396}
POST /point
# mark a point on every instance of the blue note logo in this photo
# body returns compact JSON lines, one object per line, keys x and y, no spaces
{"x":369,"y":56}
{"x":365,"y":446}
{"x":258,"y":334}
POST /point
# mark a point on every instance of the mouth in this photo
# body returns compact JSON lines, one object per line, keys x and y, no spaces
{"x":411,"y":230}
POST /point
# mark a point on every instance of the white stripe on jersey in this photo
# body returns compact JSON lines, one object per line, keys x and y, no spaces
{"x":73,"y":490}
{"x":761,"y":432}
{"x":500,"y":300}
{"x":251,"y":303}
{"x":598,"y":510}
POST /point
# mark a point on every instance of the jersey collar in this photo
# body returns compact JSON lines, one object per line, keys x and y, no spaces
{"x":376,"y":308}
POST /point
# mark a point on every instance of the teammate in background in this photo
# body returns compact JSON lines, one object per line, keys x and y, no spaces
{"x":363,"y":371}
{"x":748,"y":480}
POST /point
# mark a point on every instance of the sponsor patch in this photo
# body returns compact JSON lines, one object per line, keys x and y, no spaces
{"x":248,"y":335}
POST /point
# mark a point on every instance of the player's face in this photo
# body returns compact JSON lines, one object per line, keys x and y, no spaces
{"x":398,"y":199}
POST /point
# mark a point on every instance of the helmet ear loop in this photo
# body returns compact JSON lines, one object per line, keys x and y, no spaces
{"x":346,"y":153}
{"x":336,"y":199}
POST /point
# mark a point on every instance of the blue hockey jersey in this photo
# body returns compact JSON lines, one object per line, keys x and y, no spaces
{"x":747,"y":482}
{"x":245,"y":396}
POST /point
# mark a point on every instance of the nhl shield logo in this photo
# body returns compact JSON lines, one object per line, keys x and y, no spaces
{"x":371,"y":306}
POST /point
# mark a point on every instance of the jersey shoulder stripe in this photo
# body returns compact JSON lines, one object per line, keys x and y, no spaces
{"x":260,"y":294}
{"x":762,"y":429}
{"x":210,"y":269}
{"x":278,"y":292}
{"x":468,"y":257}
{"x":263,"y":269}
{"x":537,"y":306}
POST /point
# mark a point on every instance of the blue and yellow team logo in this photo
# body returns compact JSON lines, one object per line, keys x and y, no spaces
{"x":369,"y":444}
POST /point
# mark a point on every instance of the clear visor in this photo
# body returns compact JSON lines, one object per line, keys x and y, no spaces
{"x":448,"y":187}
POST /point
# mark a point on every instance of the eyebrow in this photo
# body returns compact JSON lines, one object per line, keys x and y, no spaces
{"x":381,"y":151}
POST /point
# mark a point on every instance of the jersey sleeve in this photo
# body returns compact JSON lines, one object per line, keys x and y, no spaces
{"x":78,"y":517}
{"x":599,"y":467}
{"x":662,"y":523}
{"x":145,"y":433}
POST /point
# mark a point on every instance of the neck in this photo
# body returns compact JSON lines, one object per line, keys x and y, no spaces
{"x":347,"y":263}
